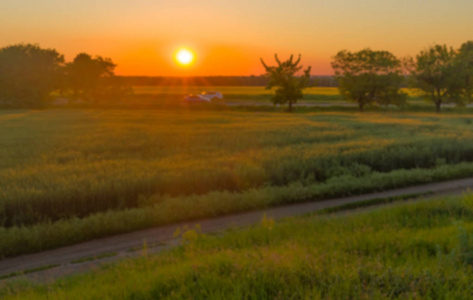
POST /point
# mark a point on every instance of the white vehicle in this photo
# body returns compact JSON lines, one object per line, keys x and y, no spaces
{"x":204,"y":97}
{"x":212,"y":95}
{"x":192,"y":98}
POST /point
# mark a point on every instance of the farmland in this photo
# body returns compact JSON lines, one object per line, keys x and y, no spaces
{"x":419,"y":250}
{"x":249,"y":94}
{"x":236,"y":93}
{"x":73,"y":175}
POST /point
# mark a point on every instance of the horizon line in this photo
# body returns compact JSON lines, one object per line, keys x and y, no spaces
{"x":194,"y":76}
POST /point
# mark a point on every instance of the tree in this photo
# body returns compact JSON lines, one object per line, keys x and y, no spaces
{"x":464,"y":65}
{"x":436,"y":73}
{"x":86,"y":75}
{"x":368,"y":77}
{"x":28,"y":74}
{"x":282,"y":77}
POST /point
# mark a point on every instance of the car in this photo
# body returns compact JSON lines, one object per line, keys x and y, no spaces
{"x":193,"y":98}
{"x":204,"y":97}
{"x":213,"y":95}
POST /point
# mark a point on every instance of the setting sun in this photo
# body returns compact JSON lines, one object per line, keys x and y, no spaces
{"x":184,"y":56}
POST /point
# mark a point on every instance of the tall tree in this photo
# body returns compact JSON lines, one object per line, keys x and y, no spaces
{"x":283,"y":77}
{"x":28,"y":74}
{"x":86,"y":75}
{"x":464,"y":64}
{"x":437,"y":75}
{"x":368,"y":77}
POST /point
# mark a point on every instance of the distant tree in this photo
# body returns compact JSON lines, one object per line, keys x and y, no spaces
{"x":368,"y":77}
{"x":28,"y":74}
{"x":283,"y":78}
{"x":464,"y":65}
{"x":437,"y":75}
{"x":86,"y":75}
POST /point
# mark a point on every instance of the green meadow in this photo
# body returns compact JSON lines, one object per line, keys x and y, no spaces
{"x":72,"y":175}
{"x":251,"y":94}
{"x":421,"y":250}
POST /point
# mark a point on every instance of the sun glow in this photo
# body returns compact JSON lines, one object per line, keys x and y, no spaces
{"x":184,"y":56}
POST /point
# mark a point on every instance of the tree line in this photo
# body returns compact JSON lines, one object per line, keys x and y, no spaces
{"x":29,"y":74}
{"x":443,"y":74}
{"x":250,"y":80}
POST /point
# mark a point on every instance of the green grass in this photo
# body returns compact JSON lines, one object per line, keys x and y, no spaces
{"x":254,"y":98}
{"x":28,"y":271}
{"x":146,"y":246}
{"x":169,"y":96}
{"x":243,"y":91}
{"x":92,"y":258}
{"x":372,"y":202}
{"x":72,"y":175}
{"x":421,"y":250}
{"x":254,"y":94}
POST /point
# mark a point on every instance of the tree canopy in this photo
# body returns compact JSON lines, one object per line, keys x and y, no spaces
{"x":368,"y":77}
{"x":85,"y":75}
{"x":464,"y":65}
{"x":283,"y":78}
{"x":437,"y":75}
{"x":28,"y":74}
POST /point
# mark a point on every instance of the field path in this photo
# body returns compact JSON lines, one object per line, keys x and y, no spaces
{"x":80,"y":257}
{"x":299,"y":104}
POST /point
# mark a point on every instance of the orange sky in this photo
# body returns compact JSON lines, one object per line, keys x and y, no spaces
{"x":229,"y":37}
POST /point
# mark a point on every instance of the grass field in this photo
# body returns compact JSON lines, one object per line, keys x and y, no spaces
{"x":252,"y":94}
{"x":73,"y":175}
{"x":225,"y":90}
{"x":232,"y":94}
{"x":420,"y":250}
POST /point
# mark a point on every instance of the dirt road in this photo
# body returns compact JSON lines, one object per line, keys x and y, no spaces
{"x":300,"y":104}
{"x":81,"y":257}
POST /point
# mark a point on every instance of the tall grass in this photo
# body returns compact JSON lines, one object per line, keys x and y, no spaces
{"x":63,"y":172}
{"x":411,"y":251}
{"x":158,"y":210}
{"x":64,"y":164}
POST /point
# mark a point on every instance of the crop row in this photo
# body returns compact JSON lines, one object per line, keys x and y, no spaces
{"x":117,"y":160}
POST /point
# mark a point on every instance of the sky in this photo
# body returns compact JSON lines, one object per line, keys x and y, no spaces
{"x":230,"y":37}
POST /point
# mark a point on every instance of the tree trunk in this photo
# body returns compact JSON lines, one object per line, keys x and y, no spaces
{"x":438,"y":102}
{"x":467,"y":89}
{"x":360,"y":105}
{"x":290,"y":105}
